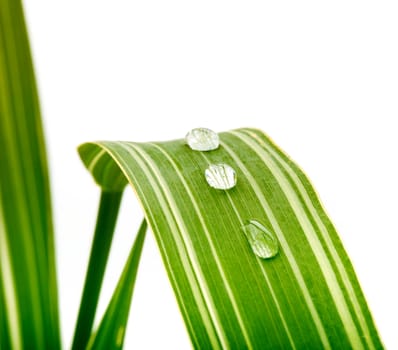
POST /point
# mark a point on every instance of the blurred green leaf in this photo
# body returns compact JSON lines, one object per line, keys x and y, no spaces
{"x":27,"y":252}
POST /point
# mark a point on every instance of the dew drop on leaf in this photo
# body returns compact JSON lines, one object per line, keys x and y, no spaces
{"x":202,"y":139}
{"x":220,"y":176}
{"x":262,"y":241}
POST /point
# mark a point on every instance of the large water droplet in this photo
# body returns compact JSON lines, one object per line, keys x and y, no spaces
{"x":220,"y":176}
{"x":202,"y":139}
{"x":262,"y":241}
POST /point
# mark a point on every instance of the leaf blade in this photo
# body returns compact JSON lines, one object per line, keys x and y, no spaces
{"x":24,"y":189}
{"x":106,"y":221}
{"x":228,"y":297}
{"x":110,"y":333}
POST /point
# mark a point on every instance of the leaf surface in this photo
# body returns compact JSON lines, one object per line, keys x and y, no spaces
{"x":305,"y":297}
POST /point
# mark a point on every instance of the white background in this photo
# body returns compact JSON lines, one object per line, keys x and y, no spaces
{"x":320,"y":77}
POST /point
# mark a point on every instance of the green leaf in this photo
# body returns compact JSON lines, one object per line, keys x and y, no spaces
{"x":111,"y":331}
{"x":5,"y":332}
{"x":305,"y":297}
{"x":106,"y":221}
{"x":28,"y":278}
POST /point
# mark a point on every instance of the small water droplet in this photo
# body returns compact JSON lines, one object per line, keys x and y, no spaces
{"x":202,"y":139}
{"x":220,"y":176}
{"x":262,"y":241}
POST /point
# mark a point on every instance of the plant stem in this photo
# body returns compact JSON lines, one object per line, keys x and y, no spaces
{"x":106,"y":221}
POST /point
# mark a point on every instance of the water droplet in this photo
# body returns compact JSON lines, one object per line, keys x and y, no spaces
{"x":220,"y":176}
{"x":202,"y":139}
{"x":262,"y":241}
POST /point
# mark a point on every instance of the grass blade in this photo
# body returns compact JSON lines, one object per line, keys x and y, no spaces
{"x":110,"y":334}
{"x":25,"y":214}
{"x":306,"y":297}
{"x":105,"y":226}
{"x":5,"y":329}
